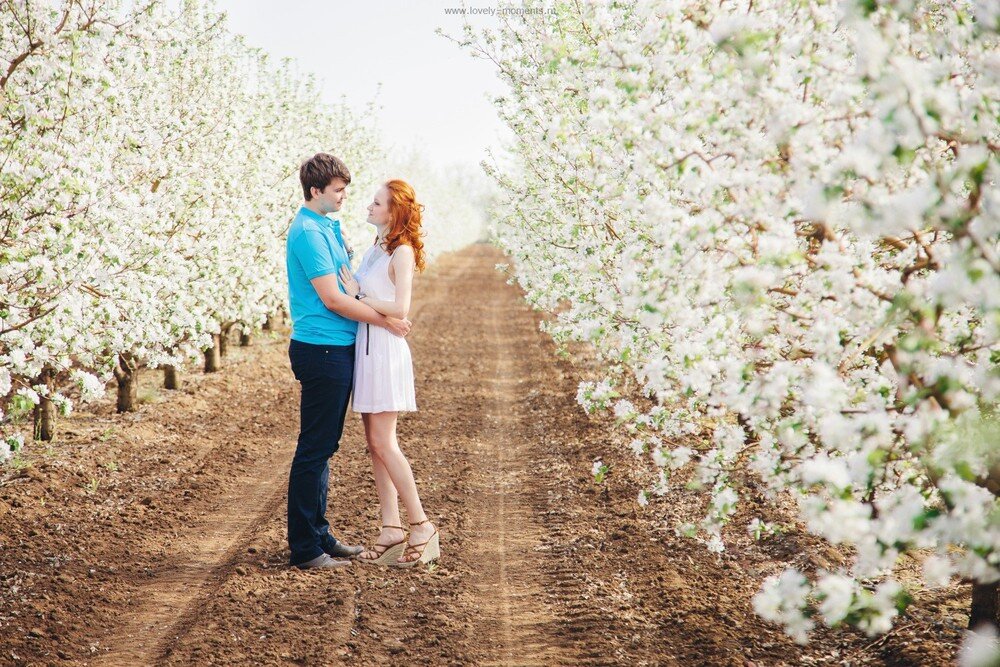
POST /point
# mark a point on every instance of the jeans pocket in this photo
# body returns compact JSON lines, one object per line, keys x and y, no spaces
{"x":338,"y":367}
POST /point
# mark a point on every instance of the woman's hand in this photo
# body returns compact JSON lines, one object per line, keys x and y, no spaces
{"x":398,"y":327}
{"x":348,"y":282}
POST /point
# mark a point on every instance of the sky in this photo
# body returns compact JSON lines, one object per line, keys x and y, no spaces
{"x":434,"y":95}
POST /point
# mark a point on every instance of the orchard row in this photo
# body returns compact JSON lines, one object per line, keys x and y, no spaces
{"x":778,"y":223}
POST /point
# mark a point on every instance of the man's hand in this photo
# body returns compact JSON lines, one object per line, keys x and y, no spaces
{"x":398,"y":327}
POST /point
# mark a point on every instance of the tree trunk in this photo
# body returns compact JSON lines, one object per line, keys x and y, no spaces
{"x":212,"y":355}
{"x":127,"y":374}
{"x":224,"y":339}
{"x":170,"y":378}
{"x":244,"y":336}
{"x":269,"y":323}
{"x":984,"y":605}
{"x":45,"y":411}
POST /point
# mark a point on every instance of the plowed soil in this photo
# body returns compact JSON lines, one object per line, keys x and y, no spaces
{"x":158,"y":537}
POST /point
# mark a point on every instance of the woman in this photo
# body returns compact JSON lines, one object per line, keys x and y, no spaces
{"x":383,"y":372}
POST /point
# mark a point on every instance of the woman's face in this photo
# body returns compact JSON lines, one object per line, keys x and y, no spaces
{"x":378,"y":210}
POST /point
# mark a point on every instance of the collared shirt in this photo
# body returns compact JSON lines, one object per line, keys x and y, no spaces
{"x":315,"y":247}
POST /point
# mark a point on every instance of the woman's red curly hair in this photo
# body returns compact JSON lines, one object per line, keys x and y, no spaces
{"x":405,"y":212}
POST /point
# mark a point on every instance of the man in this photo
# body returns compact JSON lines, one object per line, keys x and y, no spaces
{"x":321,"y":351}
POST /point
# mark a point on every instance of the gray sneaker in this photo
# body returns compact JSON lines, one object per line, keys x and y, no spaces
{"x":322,"y":561}
{"x":341,"y":550}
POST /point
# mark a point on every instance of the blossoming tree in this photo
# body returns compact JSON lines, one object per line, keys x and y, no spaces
{"x":779,"y":220}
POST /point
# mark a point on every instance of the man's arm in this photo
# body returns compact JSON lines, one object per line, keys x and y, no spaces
{"x":331,"y":296}
{"x":402,"y":264}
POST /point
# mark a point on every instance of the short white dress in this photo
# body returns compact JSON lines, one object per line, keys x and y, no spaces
{"x":383,"y":367}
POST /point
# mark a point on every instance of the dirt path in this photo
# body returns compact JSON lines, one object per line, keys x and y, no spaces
{"x":519,"y":627}
{"x":194,"y":566}
{"x":158,"y":538}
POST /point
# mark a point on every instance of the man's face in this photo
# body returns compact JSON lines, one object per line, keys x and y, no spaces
{"x":331,"y":198}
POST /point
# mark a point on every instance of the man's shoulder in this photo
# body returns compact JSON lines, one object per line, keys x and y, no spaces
{"x":302,"y":225}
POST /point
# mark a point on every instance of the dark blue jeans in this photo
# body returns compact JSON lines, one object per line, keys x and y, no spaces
{"x":326,"y":373}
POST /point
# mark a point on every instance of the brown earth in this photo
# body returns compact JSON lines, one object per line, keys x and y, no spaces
{"x":158,"y":537}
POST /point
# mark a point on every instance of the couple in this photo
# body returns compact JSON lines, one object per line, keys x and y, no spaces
{"x":331,"y":356}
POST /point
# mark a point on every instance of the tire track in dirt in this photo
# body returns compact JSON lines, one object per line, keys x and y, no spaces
{"x":520,"y":627}
{"x":196,"y":562}
{"x":172,"y":601}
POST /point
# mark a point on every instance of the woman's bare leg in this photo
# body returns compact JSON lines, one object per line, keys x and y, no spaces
{"x":388,"y":498}
{"x":382,"y":444}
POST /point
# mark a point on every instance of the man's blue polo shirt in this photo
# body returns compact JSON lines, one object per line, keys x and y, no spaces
{"x":315,"y":248}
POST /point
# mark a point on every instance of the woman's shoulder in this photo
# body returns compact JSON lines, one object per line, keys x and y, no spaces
{"x":403,"y":251}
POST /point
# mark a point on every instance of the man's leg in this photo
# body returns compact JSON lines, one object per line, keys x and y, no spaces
{"x":326,"y":538}
{"x":325,"y":373}
{"x":322,"y":525}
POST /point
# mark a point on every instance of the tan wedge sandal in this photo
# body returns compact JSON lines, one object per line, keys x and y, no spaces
{"x":425,"y":551}
{"x":385,"y":554}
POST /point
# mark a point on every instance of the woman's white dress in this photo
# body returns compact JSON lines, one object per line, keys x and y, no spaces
{"x":383,"y":367}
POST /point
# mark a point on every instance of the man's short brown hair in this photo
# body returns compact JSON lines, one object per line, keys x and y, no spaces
{"x":319,"y":170}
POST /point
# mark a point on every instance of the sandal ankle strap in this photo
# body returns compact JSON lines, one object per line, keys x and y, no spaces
{"x":421,"y":522}
{"x":399,"y":527}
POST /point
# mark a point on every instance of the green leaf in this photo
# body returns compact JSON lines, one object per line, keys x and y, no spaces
{"x":903,"y":601}
{"x":964,"y":471}
{"x":868,"y":7}
{"x":904,"y":156}
{"x":921,"y":520}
